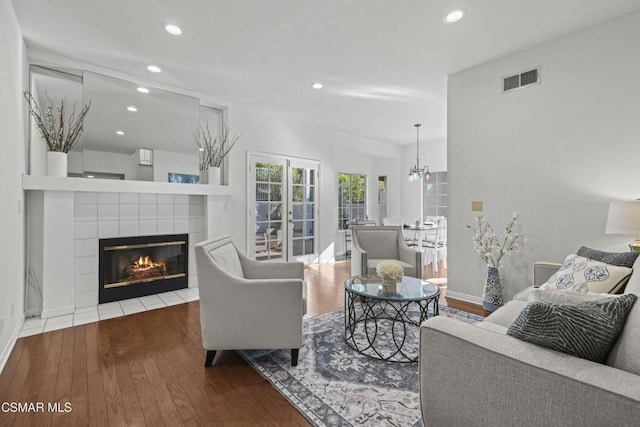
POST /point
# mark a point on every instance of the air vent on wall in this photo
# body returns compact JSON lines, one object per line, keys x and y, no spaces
{"x":521,"y":80}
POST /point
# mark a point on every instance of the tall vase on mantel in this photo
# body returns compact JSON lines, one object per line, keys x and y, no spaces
{"x":56,"y":163}
{"x":204,"y":177}
{"x":492,"y":294}
{"x":214,"y":175}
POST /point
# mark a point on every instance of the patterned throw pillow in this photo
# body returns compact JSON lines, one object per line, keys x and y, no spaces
{"x":621,"y":259}
{"x":577,"y":271}
{"x":587,"y":330}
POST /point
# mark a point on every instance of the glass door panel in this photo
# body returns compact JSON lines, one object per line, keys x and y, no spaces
{"x":269,"y":189}
{"x":303,"y":213}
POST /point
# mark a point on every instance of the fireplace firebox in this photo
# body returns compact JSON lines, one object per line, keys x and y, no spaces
{"x":137,"y":266}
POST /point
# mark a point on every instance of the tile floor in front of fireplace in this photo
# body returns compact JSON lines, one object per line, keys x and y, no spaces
{"x":36,"y":325}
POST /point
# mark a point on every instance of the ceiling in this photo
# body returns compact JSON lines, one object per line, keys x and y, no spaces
{"x":384,"y":63}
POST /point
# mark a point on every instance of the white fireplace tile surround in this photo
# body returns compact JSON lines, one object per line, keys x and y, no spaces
{"x":67,"y":217}
{"x":119,"y":215}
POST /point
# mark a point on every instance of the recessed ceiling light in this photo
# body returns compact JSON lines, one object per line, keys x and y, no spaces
{"x":90,"y":176}
{"x":143,"y":90}
{"x":154,"y":69}
{"x":119,"y":132}
{"x":173,"y":29}
{"x":200,"y":149}
{"x":132,"y":108}
{"x":317,"y":85}
{"x":454,"y":16}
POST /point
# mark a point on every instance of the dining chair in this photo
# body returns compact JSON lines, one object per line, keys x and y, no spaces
{"x":435,"y":246}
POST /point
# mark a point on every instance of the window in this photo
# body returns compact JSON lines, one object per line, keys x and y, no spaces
{"x":435,"y":195}
{"x":352,"y":196}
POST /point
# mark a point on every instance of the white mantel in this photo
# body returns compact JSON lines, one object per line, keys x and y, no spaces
{"x":54,"y":183}
{"x":67,"y":216}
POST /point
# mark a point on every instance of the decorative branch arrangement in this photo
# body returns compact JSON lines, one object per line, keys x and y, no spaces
{"x":491,"y":248}
{"x":213,"y":150}
{"x":61,"y":130}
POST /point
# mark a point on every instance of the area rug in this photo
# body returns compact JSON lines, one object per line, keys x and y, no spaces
{"x":333,"y":385}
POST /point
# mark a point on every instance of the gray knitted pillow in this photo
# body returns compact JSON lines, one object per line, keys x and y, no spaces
{"x":621,"y":259}
{"x":587,"y":330}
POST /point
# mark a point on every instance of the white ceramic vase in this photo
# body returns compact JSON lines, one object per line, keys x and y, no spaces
{"x":56,"y":163}
{"x":214,"y":175}
{"x":204,"y":177}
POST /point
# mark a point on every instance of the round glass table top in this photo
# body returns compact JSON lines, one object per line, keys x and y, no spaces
{"x":407,"y":289}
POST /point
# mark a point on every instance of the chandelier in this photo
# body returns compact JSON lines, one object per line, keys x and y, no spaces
{"x":416,"y":172}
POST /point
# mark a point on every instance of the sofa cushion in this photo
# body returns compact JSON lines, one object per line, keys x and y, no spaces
{"x":587,"y":330}
{"x":625,"y":352}
{"x":505,"y":315}
{"x":621,"y":259}
{"x":493,"y":327}
{"x":576,"y":271}
{"x":524,"y":294}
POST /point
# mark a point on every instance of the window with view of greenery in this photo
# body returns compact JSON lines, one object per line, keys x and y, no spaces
{"x":352,"y":194}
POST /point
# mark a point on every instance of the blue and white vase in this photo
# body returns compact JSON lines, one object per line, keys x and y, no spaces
{"x":492,"y":295}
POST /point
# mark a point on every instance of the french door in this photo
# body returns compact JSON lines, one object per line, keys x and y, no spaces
{"x":283,"y":208}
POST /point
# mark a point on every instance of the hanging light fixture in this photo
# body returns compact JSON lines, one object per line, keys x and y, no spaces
{"x":417,"y":173}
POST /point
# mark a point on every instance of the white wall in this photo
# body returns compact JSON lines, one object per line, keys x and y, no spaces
{"x":13,"y":81}
{"x":270,"y":133}
{"x":557,"y":153}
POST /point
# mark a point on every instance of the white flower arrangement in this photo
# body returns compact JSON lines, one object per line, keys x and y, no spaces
{"x":389,"y":269}
{"x":489,"y":246}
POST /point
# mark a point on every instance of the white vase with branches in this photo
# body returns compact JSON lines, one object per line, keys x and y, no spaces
{"x":213,"y":151}
{"x":60,"y":128}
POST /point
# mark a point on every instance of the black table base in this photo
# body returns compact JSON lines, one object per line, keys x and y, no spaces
{"x":369,"y":317}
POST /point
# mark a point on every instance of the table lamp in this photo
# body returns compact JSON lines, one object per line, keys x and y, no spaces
{"x":624,"y":218}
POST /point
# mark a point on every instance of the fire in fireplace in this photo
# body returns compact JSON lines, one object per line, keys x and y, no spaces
{"x":132,"y":267}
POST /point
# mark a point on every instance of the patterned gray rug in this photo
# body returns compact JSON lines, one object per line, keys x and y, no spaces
{"x":333,"y":385}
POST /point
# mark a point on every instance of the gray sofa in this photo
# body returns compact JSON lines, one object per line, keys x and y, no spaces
{"x":475,"y":375}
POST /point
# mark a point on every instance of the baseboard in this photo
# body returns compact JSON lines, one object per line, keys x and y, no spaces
{"x":6,"y":352}
{"x":464,"y":297}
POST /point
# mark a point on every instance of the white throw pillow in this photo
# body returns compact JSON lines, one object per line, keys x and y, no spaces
{"x":558,"y":296}
{"x":577,"y":271}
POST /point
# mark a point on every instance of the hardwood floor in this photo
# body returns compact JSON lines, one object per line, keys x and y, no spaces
{"x":147,"y":369}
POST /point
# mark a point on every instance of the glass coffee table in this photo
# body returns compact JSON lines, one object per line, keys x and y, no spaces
{"x":384,"y":324}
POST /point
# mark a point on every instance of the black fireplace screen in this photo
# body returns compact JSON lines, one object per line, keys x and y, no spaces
{"x":136,"y":266}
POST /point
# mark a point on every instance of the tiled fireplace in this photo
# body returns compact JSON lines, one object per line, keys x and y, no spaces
{"x":100,"y":216}
{"x":69,"y":218}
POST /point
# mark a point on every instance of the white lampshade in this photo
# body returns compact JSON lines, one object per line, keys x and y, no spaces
{"x":624,"y":218}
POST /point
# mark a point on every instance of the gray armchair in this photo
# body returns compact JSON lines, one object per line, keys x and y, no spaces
{"x":247,"y":304}
{"x":374,"y":244}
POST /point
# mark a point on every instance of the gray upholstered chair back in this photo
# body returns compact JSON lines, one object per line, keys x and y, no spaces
{"x":379,"y":241}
